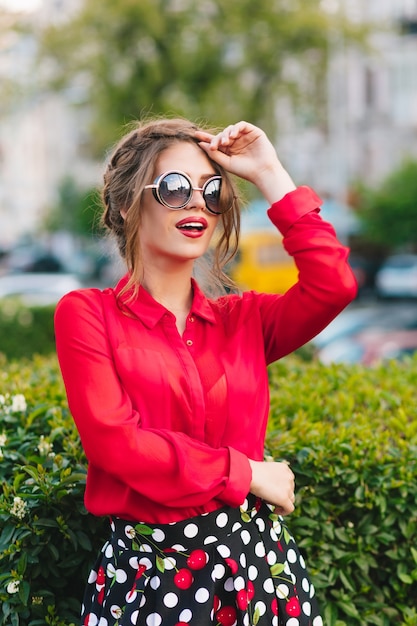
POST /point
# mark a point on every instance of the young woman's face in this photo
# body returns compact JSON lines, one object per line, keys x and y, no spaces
{"x":167,"y":236}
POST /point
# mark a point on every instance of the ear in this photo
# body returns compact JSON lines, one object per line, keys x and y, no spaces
{"x":123,"y":213}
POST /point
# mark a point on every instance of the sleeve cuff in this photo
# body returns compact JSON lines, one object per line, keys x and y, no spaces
{"x":284,"y":213}
{"x":240,"y":477}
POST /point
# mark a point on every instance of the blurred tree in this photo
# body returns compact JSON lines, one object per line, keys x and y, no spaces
{"x":213,"y":59}
{"x":75,"y":211}
{"x":389,"y":212}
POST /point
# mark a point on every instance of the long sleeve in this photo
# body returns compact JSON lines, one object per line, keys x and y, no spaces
{"x":158,"y":464}
{"x":326,"y":284}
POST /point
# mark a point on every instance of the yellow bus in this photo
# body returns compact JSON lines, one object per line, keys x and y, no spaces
{"x":262,"y":264}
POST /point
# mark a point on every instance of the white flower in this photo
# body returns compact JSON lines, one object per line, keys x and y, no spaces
{"x":18,"y":403}
{"x":1,"y":455}
{"x":2,"y":399}
{"x":3,"y":440}
{"x":45,"y":447}
{"x":13,"y":586}
{"x":18,"y":508}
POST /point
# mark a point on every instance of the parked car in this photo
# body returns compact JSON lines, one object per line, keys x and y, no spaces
{"x":397,"y":277}
{"x":368,"y":334}
{"x":37,"y":288}
{"x":370,"y":347}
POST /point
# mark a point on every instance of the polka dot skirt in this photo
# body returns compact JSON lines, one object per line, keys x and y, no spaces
{"x":229,"y":567}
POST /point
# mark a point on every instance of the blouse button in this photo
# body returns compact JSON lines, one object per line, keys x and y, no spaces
{"x":189,"y":342}
{"x":191,"y":319}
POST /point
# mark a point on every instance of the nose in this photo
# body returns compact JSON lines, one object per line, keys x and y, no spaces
{"x":197,"y":199}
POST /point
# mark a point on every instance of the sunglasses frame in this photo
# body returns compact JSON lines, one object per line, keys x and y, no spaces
{"x":157,"y":195}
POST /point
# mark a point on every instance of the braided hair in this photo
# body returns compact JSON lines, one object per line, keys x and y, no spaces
{"x":130,"y":167}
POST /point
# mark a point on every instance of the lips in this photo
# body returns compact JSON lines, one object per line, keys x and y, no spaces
{"x":192,"y":224}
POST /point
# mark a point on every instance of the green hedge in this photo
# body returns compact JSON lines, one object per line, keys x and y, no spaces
{"x":350,"y":434}
{"x":25,"y":331}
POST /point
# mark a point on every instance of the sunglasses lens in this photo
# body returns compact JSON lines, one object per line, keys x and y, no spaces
{"x":175,"y":190}
{"x":212,"y":195}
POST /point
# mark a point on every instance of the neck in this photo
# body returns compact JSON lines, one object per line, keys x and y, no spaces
{"x":173,"y":291}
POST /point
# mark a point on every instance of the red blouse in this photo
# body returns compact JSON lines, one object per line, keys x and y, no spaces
{"x":168,"y":422}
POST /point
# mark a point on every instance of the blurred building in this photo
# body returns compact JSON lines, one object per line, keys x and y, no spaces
{"x":371,"y":116}
{"x":41,"y":133}
{"x":372,"y":102}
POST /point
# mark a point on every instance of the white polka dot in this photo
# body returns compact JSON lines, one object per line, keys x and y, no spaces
{"x":142,"y":600}
{"x":287,"y":568}
{"x":218,"y":572}
{"x":271,"y":557}
{"x":273,"y":535}
{"x":103,"y":622}
{"x":191,"y":530}
{"x":305,"y":585}
{"x":170,"y":600}
{"x":222,"y":519}
{"x":109,"y":551}
{"x":312,"y":590}
{"x":134,"y":617}
{"x":261,"y":524}
{"x":317,"y":621}
{"x":244,"y":506}
{"x":239,"y":583}
{"x":178,"y":547}
{"x":121,"y":544}
{"x":236,"y":526}
{"x":154,"y":582}
{"x":246,"y":620}
{"x":111,"y":570}
{"x":202,"y":595}
{"x":292,"y":555}
{"x":92,"y":577}
{"x":293,"y":578}
{"x":282,"y":591}
{"x":92,"y":620}
{"x":275,"y":620}
{"x":158,"y":535}
{"x":269,"y":585}
{"x":121,"y":576}
{"x":245,"y":537}
{"x":154,"y":619}
{"x":260,"y":549}
{"x":130,"y":531}
{"x":169,"y":563}
{"x":210,"y":539}
{"x":146,"y":562}
{"x":260,"y":607}
{"x":252,"y":572}
{"x":185,"y":615}
{"x":302,"y":562}
{"x":277,"y":527}
{"x":134,"y":562}
{"x":307,"y":608}
{"x":223,"y":550}
{"x":293,"y":621}
{"x":243,"y":560}
{"x":145,"y":547}
{"x":131,"y":596}
{"x":228,"y":585}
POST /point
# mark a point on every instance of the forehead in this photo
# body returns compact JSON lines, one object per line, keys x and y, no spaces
{"x":187,"y":157}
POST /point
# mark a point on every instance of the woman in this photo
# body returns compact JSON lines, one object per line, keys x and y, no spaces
{"x":169,"y":388}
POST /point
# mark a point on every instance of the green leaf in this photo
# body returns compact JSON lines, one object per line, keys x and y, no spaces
{"x":160,"y":564}
{"x":143,"y":529}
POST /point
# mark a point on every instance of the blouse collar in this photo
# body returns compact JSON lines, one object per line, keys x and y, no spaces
{"x":150,"y":312}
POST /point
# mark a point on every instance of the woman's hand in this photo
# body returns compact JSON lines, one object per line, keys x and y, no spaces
{"x":274,"y":483}
{"x":244,"y":150}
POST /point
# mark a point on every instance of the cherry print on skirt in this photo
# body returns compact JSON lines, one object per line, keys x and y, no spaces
{"x":231,"y":567}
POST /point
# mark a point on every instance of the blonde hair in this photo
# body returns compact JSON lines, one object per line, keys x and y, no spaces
{"x":131,"y":167}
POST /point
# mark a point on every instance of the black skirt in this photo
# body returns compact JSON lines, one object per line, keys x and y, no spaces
{"x":234,"y":566}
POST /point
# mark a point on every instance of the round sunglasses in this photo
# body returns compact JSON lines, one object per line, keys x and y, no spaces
{"x":175,"y":189}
